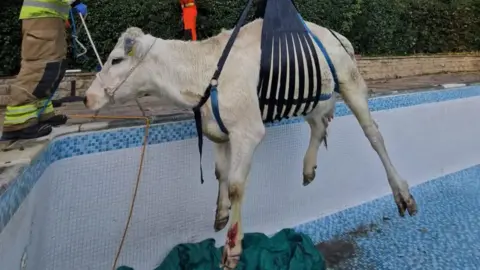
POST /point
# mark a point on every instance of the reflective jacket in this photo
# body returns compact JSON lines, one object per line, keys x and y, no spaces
{"x":33,"y":9}
{"x":189,"y":18}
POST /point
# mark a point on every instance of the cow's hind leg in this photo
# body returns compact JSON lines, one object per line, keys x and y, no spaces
{"x":318,"y":120}
{"x":222,"y":164}
{"x":242,"y":146}
{"x":355,"y":96}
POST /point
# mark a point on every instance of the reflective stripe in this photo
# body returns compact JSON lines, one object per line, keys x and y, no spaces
{"x":22,"y":109}
{"x":22,"y":118}
{"x":37,"y":13}
{"x":15,"y":120}
{"x":59,"y":7}
{"x":15,"y":110}
{"x":34,"y":9}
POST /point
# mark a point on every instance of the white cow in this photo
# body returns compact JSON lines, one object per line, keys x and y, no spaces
{"x":180,"y":71}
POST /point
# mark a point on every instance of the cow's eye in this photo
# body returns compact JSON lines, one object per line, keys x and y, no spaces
{"x":116,"y":61}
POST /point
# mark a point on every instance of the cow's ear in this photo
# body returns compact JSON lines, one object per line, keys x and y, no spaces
{"x":129,"y":46}
{"x":130,"y":40}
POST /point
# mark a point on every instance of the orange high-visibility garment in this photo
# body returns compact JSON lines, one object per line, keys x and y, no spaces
{"x":189,"y":17}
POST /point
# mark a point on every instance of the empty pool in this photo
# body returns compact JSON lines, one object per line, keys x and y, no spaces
{"x":68,"y":209}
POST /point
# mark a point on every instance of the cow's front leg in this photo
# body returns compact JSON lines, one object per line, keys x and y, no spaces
{"x":242,"y":146}
{"x":222,"y":164}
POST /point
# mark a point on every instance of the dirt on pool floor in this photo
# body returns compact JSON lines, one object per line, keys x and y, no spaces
{"x":340,"y":252}
{"x":337,"y":251}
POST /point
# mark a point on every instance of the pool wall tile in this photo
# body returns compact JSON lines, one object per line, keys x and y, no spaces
{"x":97,"y":142}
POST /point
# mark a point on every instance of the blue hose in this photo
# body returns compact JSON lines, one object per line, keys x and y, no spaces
{"x":74,"y":33}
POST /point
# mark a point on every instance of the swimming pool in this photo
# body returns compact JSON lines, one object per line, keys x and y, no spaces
{"x":68,"y":209}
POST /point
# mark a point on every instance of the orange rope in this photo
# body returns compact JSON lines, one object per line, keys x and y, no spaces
{"x":132,"y":204}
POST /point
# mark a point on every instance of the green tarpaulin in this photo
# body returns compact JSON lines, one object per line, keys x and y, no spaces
{"x":285,"y":250}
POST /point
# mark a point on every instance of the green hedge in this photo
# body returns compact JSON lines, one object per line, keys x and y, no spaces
{"x":375,"y":27}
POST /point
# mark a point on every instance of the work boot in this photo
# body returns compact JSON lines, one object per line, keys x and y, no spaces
{"x":31,"y":132}
{"x":22,"y":121}
{"x":47,"y":116}
{"x":55,"y":120}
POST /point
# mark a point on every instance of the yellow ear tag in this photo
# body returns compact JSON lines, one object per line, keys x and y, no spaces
{"x":131,"y":52}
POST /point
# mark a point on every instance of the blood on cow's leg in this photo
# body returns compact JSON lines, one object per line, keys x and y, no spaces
{"x":242,"y":148}
{"x":318,"y":120}
{"x":355,"y":96}
{"x":222,"y":164}
{"x":232,"y":250}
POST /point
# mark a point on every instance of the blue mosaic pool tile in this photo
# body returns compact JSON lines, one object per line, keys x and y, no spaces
{"x":98,"y":142}
{"x":133,"y":137}
{"x":18,"y":190}
{"x":447,"y":221}
{"x":412,"y":99}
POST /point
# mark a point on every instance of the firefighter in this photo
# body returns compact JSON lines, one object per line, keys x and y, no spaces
{"x":30,"y":113}
{"x":189,"y":14}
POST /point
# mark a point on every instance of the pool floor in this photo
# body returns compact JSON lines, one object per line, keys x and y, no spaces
{"x":445,"y":234}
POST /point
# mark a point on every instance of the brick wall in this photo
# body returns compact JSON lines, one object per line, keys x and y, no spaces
{"x":372,"y":68}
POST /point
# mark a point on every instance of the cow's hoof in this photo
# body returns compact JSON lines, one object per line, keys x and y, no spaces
{"x":231,"y":263}
{"x":407,"y":204}
{"x":231,"y":257}
{"x":220,"y":223}
{"x":308,"y":178}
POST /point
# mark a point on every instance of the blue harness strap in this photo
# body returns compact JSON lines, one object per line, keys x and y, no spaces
{"x":214,"y":91}
{"x":211,"y":91}
{"x":327,"y":57}
{"x":216,"y":110}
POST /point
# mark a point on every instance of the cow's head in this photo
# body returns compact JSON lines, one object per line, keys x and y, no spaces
{"x":124,"y":74}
